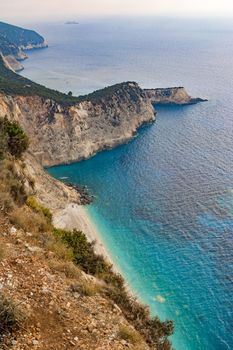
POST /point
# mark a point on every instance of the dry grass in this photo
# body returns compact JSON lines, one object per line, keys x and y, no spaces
{"x":87,"y":288}
{"x":60,"y":250}
{"x":12,"y":182}
{"x":2,"y":251}
{"x":11,"y":316}
{"x":66,"y":267}
{"x":6,"y":201}
{"x":129,"y":334}
{"x":28,"y":220}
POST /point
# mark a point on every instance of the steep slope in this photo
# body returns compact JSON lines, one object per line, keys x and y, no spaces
{"x":22,"y":38}
{"x":56,"y":292}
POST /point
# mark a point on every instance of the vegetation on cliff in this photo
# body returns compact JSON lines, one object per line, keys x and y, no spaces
{"x":14,"y":39}
{"x":20,"y":37}
{"x":16,"y":85}
{"x":13,"y":139}
{"x":8,"y":48}
{"x":19,"y":207}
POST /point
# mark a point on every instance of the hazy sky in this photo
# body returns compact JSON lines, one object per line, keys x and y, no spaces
{"x":72,"y":9}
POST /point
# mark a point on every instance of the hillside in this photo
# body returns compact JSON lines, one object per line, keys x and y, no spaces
{"x":20,"y":37}
{"x":56,"y":292}
{"x":14,"y":40}
{"x":7,"y":47}
{"x":14,"y":84}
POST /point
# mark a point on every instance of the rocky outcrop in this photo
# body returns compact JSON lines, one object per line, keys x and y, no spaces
{"x":52,"y":193}
{"x":34,"y":46}
{"x":12,"y":63}
{"x":172,"y":95}
{"x":61,"y":134}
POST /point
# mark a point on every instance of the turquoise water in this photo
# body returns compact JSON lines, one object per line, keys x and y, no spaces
{"x":164,"y":202}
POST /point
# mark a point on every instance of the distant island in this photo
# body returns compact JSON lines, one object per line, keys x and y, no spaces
{"x":71,"y":22}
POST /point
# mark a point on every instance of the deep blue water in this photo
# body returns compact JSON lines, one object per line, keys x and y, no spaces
{"x":164,"y":202}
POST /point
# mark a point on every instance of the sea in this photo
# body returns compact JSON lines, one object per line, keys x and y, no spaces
{"x":163,"y":202}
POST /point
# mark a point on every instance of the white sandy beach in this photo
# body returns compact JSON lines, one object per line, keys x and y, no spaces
{"x":74,"y":216}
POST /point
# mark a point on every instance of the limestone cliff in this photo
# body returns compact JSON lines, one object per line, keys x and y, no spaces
{"x":12,"y":63}
{"x":63,"y":134}
{"x":172,"y":95}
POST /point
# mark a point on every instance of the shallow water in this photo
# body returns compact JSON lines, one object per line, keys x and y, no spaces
{"x":164,"y":202}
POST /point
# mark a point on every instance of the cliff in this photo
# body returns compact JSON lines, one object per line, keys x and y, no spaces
{"x":172,"y":95}
{"x":63,"y":134}
{"x":12,"y":63}
{"x":65,"y":128}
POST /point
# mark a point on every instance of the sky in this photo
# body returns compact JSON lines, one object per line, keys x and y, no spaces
{"x":74,"y":9}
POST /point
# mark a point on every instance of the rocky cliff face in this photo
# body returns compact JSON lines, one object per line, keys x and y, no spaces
{"x":61,"y":134}
{"x":173,"y":95}
{"x":12,"y":63}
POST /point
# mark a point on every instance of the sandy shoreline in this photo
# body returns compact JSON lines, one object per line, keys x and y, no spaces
{"x":74,"y":216}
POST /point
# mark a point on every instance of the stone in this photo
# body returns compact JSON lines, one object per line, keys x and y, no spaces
{"x":35,"y":342}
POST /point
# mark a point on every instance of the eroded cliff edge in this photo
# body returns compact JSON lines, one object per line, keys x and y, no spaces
{"x":63,"y":134}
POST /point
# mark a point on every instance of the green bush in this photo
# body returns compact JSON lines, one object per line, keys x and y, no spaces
{"x":83,"y":251}
{"x":13,"y":139}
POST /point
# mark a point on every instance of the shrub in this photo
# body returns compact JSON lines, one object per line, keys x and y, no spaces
{"x":39,"y":208}
{"x":11,"y":317}
{"x":3,"y":143}
{"x":129,"y":334}
{"x":14,"y":139}
{"x":83,"y":251}
{"x":59,"y":248}
{"x":154,"y":331}
{"x":11,"y":182}
{"x":66,"y":267}
{"x":86,"y":288}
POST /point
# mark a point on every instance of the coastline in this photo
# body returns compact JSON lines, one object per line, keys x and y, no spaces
{"x":74,"y":216}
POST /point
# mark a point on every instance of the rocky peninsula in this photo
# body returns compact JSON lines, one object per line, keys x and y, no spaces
{"x":14,"y":41}
{"x":172,"y":96}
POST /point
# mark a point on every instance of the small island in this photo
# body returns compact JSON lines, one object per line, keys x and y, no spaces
{"x":71,"y":22}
